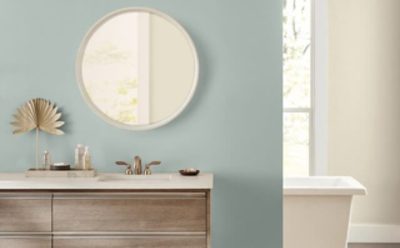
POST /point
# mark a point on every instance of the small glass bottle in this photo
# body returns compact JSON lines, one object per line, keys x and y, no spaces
{"x":78,"y":157}
{"x":87,"y":159}
{"x":46,"y":160}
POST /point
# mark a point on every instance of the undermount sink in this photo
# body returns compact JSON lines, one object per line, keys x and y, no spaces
{"x":139,"y":178}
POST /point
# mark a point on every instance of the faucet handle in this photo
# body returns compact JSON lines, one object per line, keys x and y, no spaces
{"x":128,"y":170}
{"x":147,"y":170}
{"x":122,"y":163}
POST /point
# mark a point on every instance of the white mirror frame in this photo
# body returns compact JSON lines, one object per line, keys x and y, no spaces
{"x":85,"y":94}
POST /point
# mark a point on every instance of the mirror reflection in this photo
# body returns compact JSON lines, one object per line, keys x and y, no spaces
{"x":138,"y":68}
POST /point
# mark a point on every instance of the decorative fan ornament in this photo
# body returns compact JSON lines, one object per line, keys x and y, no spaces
{"x":38,"y":114}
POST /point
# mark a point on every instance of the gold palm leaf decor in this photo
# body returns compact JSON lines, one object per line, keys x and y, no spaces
{"x":40,"y":115}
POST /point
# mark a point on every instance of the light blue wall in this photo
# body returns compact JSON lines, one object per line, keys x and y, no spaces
{"x":232,"y":127}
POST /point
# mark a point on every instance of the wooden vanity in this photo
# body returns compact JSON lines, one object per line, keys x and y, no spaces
{"x":59,"y":215}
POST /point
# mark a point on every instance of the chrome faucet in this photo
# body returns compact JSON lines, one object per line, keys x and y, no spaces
{"x":128,"y":170}
{"x":147,"y":170}
{"x":137,"y":166}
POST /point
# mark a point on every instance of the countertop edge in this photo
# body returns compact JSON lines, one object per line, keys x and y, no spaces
{"x":18,"y":182}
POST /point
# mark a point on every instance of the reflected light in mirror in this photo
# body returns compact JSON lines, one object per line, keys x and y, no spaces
{"x":137,"y":68}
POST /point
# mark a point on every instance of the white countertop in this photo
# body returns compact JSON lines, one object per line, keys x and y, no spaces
{"x":106,"y":181}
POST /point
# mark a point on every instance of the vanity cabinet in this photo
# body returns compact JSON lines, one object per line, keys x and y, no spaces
{"x":119,"y":242}
{"x":26,"y":241}
{"x":130,"y":212}
{"x":112,"y":219}
{"x":25,"y":212}
{"x":25,"y":220}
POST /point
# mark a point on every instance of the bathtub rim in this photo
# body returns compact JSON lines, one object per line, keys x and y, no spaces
{"x":352,"y":187}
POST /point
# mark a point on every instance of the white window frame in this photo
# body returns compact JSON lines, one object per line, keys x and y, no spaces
{"x":319,"y":86}
{"x":318,"y":110}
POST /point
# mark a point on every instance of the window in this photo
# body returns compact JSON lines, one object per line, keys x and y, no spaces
{"x":297,"y":87}
{"x":305,"y":77}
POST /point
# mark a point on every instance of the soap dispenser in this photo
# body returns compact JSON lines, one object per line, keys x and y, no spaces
{"x":46,"y":160}
{"x":87,"y":160}
{"x":78,"y":156}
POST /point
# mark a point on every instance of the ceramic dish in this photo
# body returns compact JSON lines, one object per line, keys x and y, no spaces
{"x":60,"y":166}
{"x":189,"y":172}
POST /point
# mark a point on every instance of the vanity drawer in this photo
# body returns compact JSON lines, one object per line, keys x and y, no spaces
{"x":25,"y":241}
{"x":130,"y":212}
{"x":124,"y":242}
{"x":25,"y":213}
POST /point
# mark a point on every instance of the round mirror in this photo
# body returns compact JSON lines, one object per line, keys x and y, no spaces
{"x":137,"y":68}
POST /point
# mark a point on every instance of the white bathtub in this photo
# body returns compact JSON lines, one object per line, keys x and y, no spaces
{"x":316,"y":211}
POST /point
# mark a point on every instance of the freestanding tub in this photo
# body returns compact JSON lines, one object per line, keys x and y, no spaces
{"x":316,"y":211}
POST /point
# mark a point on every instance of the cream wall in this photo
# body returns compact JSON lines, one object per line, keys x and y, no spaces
{"x":364,"y":103}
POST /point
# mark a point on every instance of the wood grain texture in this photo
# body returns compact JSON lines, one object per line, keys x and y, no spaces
{"x":209,"y":219}
{"x":143,"y":214}
{"x":27,"y":242}
{"x":181,"y":218}
{"x":25,"y":215}
{"x":142,"y":242}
